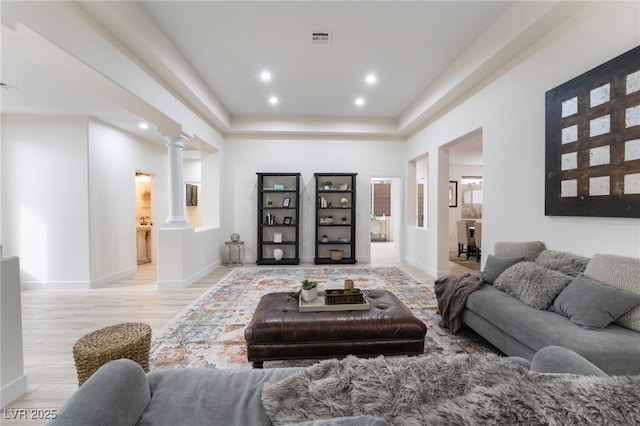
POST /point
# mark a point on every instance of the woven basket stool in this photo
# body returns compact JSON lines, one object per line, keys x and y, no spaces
{"x":128,"y":340}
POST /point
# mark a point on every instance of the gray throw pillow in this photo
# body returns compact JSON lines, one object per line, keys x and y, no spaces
{"x":592,"y":304}
{"x":562,"y":261}
{"x":532,"y":284}
{"x":496,"y":265}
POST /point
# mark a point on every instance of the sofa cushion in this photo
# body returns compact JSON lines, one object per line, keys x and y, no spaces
{"x":209,"y":396}
{"x":562,"y":261}
{"x":532,"y":284}
{"x":496,"y":265}
{"x":560,"y":360}
{"x":529,"y":249}
{"x":620,"y":272}
{"x":591,"y":304}
{"x":613,"y":349}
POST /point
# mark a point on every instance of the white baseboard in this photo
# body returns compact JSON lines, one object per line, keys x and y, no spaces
{"x":76,"y":285}
{"x":13,"y":391}
{"x":176,"y":284}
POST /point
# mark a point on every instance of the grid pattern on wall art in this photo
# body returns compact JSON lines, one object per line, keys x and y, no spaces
{"x":593,"y":142}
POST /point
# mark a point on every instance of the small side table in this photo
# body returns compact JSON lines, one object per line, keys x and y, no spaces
{"x":234,"y":252}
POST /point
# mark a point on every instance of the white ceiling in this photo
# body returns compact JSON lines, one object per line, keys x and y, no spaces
{"x":408,"y":45}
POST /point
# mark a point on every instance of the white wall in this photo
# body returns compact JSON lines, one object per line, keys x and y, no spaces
{"x":511,"y":113}
{"x":114,"y":158}
{"x":244,"y":158}
{"x":45,"y":215}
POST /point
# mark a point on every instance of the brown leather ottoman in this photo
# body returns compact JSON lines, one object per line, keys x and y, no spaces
{"x":278,"y":331}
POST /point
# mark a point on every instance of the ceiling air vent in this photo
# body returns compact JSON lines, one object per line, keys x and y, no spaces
{"x":321,"y":37}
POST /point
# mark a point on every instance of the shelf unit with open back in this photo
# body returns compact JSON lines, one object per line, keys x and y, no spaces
{"x":278,"y":219}
{"x":335,"y":230}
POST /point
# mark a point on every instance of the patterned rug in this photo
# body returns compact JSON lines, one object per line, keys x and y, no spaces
{"x":472,"y":263}
{"x":210,"y":332}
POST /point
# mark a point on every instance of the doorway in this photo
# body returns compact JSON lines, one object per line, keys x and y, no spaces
{"x":466,"y":170}
{"x":385,"y":221}
{"x":144,"y":219}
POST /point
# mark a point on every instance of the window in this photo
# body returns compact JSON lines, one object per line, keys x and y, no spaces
{"x":471,"y":188}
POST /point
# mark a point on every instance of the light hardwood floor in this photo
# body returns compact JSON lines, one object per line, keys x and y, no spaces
{"x":54,"y":319}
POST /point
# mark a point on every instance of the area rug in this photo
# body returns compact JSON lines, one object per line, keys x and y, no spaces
{"x":462,"y":260}
{"x":210,"y":332}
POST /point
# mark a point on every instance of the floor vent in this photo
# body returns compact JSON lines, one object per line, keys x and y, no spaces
{"x":321,"y":37}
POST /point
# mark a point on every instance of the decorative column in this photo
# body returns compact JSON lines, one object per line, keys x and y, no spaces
{"x":175,"y":145}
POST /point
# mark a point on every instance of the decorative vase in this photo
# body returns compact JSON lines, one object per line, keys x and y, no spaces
{"x":309,"y":295}
{"x":277,"y":254}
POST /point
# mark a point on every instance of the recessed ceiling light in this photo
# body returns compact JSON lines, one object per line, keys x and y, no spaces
{"x":371,"y":78}
{"x":360,"y":101}
{"x":265,"y":76}
{"x":143,"y":126}
{"x":273,"y":100}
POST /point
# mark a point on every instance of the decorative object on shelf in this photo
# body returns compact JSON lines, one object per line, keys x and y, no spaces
{"x":278,"y":254}
{"x":325,"y":239}
{"x":278,"y":187}
{"x":344,"y":220}
{"x":336,"y":254}
{"x":343,"y":296}
{"x":327,"y":184}
{"x":343,"y":239}
{"x":309,"y":290}
{"x":326,"y":220}
{"x":235,"y":237}
{"x":344,"y":201}
{"x":286,"y":202}
{"x":269,"y":203}
{"x":277,"y":237}
{"x":270,"y":220}
{"x":343,"y":187}
{"x":322,"y":202}
{"x":287,"y":220}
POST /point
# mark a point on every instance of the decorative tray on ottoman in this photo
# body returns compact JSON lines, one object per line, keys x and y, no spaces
{"x":321,"y":304}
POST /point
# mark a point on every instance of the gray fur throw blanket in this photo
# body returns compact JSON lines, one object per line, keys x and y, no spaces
{"x":450,"y":390}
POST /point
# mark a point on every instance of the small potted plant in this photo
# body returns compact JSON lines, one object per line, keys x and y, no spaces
{"x":325,"y":239}
{"x":344,"y":219}
{"x":309,"y":290}
{"x":327,"y":184}
{"x":269,"y":203}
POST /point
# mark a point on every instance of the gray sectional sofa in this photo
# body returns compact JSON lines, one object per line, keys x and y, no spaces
{"x":121,"y":394}
{"x":519,"y":329}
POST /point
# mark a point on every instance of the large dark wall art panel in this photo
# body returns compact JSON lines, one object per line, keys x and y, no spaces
{"x":593,"y":142}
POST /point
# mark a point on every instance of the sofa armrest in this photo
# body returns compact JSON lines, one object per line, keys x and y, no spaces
{"x":556,"y":359}
{"x":519,"y":360}
{"x":117,"y":394}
